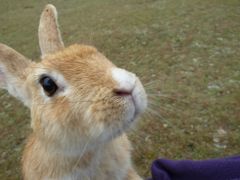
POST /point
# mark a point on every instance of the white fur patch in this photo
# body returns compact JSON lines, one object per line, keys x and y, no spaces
{"x":130,"y":83}
{"x":126,"y":80}
{"x":140,"y":98}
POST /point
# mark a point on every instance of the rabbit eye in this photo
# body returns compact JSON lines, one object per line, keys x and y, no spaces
{"x":48,"y":85}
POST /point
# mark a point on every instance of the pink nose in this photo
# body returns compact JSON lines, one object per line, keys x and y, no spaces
{"x":125,"y":82}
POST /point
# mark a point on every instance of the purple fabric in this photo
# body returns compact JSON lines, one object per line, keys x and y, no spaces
{"x":212,"y":169}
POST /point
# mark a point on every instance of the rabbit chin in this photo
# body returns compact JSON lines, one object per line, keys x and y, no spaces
{"x":97,"y":136}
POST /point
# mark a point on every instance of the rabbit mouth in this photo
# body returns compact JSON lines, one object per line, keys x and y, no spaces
{"x":137,"y":103}
{"x":136,"y":109}
{"x":139,"y":99}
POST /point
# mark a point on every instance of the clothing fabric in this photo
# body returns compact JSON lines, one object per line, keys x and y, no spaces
{"x":213,"y":169}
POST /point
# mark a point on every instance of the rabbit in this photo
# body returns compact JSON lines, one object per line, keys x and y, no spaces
{"x":81,"y":105}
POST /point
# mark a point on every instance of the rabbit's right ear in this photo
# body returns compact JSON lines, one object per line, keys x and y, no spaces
{"x":49,"y":35}
{"x":13,"y":73}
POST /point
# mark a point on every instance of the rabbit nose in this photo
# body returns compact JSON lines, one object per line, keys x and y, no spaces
{"x":125,"y":82}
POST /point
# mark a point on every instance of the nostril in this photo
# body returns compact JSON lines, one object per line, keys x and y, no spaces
{"x":125,"y":82}
{"x":122,"y":92}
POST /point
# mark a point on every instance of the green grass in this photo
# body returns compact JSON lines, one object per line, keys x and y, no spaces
{"x":188,"y":49}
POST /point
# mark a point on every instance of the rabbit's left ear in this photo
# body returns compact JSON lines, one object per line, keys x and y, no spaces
{"x":13,"y":73}
{"x":49,"y":35}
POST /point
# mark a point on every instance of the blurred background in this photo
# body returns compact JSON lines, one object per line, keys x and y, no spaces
{"x":186,"y":53}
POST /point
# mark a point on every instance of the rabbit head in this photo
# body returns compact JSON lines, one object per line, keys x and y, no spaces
{"x":76,"y":95}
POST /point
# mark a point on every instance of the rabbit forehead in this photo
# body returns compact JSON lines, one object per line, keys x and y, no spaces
{"x":81,"y":64}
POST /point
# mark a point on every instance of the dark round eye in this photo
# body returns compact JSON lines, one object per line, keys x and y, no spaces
{"x":48,"y":85}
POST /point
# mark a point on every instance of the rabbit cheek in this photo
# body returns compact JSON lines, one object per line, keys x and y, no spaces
{"x":50,"y":118}
{"x":110,"y":118}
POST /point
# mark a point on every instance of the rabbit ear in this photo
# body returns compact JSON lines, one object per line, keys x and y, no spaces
{"x":13,"y":73}
{"x":49,"y":35}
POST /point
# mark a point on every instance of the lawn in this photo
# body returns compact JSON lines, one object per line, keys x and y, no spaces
{"x":185,"y":52}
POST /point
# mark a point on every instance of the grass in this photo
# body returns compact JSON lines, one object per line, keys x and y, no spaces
{"x":187,"y":50}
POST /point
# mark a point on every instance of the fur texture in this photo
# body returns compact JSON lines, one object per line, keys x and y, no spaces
{"x":78,"y":133}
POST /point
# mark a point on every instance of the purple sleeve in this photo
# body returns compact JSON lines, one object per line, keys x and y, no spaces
{"x":212,"y":169}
